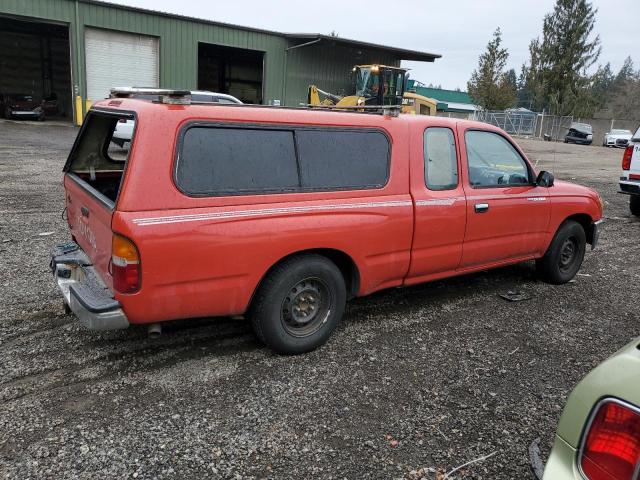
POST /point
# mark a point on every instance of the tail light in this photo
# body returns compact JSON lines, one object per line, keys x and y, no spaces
{"x":125,"y":265}
{"x":611,"y":449}
{"x":626,"y":158}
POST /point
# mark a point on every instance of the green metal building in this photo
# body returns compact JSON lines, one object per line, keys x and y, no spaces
{"x":72,"y":51}
{"x":449,"y":101}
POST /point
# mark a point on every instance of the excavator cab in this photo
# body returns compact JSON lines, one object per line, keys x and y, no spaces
{"x":379,"y":84}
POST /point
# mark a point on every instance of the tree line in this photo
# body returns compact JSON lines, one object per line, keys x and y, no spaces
{"x":556,"y":77}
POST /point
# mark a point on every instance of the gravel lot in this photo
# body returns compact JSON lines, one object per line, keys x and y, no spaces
{"x":416,"y":381}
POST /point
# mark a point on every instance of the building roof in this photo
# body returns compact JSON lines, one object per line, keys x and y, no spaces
{"x":402,"y":53}
{"x":448,"y":100}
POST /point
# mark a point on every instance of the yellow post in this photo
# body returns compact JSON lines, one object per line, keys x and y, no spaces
{"x":87,"y":105}
{"x":79,"y":115}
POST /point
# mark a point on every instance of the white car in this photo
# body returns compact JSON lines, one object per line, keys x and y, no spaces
{"x":124,"y":129}
{"x":617,"y":138}
{"x":630,"y":179}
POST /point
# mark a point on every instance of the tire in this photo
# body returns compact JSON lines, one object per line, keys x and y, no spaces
{"x":564,"y":256}
{"x":299,"y":304}
{"x":634,"y":205}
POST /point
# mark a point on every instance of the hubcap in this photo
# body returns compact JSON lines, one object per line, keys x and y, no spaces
{"x":306,"y":307}
{"x":568,"y":253}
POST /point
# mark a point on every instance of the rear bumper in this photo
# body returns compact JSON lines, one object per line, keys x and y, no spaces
{"x":562,"y":463}
{"x":595,"y":233}
{"x":629,"y":187}
{"x":83,"y":290}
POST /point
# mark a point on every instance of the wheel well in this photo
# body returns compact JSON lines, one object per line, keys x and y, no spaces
{"x":343,"y":261}
{"x":587,"y":225}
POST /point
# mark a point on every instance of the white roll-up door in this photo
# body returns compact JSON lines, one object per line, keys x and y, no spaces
{"x":117,"y":59}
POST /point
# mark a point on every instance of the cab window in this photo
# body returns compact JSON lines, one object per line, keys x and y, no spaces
{"x":493,"y":161}
{"x":440,"y":160}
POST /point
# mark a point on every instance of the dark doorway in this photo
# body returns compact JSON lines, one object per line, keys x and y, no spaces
{"x":35,"y":61}
{"x":235,"y":71}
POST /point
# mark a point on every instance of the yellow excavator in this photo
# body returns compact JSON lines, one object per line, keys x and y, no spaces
{"x":376,"y":85}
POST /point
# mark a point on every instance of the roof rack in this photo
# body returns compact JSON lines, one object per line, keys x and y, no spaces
{"x":388,"y":110}
{"x":167,"y":95}
{"x":183,"y":97}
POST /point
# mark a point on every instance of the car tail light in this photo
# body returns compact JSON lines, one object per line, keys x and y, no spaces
{"x":626,"y":158}
{"x":611,"y":449}
{"x":125,"y":265}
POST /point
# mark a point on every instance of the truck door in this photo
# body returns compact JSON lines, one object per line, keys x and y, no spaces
{"x":439,"y":203}
{"x":507,"y":214}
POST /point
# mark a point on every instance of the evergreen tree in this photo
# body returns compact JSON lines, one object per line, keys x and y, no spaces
{"x":557,"y":74}
{"x":489,"y":85}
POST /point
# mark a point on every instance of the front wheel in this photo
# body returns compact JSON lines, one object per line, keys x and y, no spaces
{"x":564,"y":256}
{"x":299,"y":304}
{"x":634,"y":205}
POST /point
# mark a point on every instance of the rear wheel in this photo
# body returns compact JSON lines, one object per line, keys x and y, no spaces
{"x":634,"y":205}
{"x":299,"y":304}
{"x":564,"y":256}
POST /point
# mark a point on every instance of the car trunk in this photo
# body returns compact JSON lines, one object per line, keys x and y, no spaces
{"x":93,"y":175}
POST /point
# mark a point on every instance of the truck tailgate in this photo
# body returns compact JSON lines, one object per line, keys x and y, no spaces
{"x":89,"y":218}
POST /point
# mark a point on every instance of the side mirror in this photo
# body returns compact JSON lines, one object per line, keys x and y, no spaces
{"x":545,"y":179}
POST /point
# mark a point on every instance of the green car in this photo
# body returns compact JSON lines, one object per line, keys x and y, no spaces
{"x":598,"y":436}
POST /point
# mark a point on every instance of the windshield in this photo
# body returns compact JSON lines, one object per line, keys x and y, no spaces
{"x":22,"y":98}
{"x":621,"y":132}
{"x":583,"y":127}
{"x":367,"y":84}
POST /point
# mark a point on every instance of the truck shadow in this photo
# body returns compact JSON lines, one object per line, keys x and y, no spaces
{"x":221,"y":336}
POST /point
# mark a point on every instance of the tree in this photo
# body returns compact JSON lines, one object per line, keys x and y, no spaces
{"x":625,"y":101}
{"x":489,"y":85}
{"x":559,"y":63}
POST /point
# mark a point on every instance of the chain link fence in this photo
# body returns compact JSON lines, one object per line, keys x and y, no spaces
{"x":527,"y":123}
{"x":513,"y":122}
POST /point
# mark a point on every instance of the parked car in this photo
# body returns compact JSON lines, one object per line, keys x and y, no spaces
{"x":617,"y":138}
{"x":124,"y":130}
{"x":51,"y":105}
{"x":283,"y":214}
{"x":630,"y":179}
{"x":598,"y":437}
{"x":18,"y":105}
{"x":579,"y":133}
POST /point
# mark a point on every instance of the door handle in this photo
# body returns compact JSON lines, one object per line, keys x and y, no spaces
{"x":84,"y":211}
{"x":481,"y":207}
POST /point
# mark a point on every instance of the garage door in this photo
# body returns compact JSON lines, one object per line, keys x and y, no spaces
{"x":116,"y":59}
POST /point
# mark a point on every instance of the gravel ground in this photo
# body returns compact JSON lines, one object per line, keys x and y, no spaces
{"x":415,"y":381}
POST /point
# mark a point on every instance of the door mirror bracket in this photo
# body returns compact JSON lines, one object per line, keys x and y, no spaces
{"x":545,"y":179}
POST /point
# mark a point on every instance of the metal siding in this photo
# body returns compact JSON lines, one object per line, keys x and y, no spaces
{"x":327,"y":66}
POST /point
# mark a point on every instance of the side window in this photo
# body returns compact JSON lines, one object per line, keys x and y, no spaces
{"x":218,"y":161}
{"x":440,"y":160}
{"x":493,"y":162}
{"x":342,"y":159}
{"x":198,"y":97}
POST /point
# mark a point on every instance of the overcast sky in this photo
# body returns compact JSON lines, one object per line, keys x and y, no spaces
{"x":458,"y":30}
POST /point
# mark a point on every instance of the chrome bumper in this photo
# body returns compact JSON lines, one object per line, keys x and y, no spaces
{"x":595,"y":236}
{"x":83,"y":290}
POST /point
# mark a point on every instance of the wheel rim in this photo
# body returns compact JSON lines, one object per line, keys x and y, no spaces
{"x":568,"y":254}
{"x":306,"y":307}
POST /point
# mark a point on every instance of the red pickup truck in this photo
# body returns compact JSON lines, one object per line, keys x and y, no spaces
{"x":282,"y":214}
